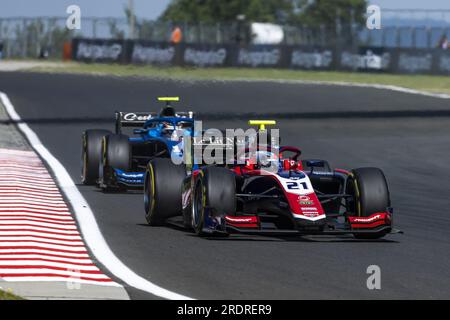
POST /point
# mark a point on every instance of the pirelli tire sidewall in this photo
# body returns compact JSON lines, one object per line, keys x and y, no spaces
{"x":162,"y":190}
{"x":371,"y":191}
{"x":91,"y":154}
{"x":214,"y":196}
{"x":199,"y":204}
{"x":371,"y":195}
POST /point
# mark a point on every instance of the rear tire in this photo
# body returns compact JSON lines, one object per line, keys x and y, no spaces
{"x":371,"y":195}
{"x":91,"y":155}
{"x":162,"y":190}
{"x":214,"y":195}
{"x":116,"y":153}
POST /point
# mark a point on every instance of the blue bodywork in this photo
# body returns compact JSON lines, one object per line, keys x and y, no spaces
{"x":155,"y":131}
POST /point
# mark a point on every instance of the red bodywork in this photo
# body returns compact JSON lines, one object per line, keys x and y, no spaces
{"x":307,"y":207}
{"x":373,"y":221}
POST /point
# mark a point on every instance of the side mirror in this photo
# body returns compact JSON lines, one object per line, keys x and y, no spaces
{"x":315,"y":163}
{"x":140,"y":131}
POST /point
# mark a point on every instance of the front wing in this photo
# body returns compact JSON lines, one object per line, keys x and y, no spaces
{"x":378,"y":223}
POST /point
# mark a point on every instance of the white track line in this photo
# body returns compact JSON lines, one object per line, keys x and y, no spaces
{"x":337,"y":83}
{"x":84,"y":215}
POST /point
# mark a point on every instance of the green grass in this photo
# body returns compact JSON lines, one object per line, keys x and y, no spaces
{"x":5,"y":295}
{"x":436,"y":84}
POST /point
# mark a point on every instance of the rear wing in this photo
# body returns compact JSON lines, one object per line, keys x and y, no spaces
{"x":138,"y":119}
{"x":132,"y":119}
{"x":187,"y":114}
{"x":216,"y":140}
{"x":213,"y":140}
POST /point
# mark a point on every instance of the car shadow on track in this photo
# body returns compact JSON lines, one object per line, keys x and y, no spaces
{"x":244,"y":238}
{"x":248,"y":238}
{"x":266,"y":238}
{"x":83,"y":187}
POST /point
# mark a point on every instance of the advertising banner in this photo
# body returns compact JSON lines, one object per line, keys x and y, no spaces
{"x":414,"y":61}
{"x":158,"y":53}
{"x":99,"y":50}
{"x":365,"y":59}
{"x":205,"y":56}
{"x":443,"y":62}
{"x":259,"y":56}
{"x":310,"y":58}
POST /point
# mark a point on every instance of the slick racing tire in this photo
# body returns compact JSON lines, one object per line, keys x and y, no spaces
{"x":116,"y":153}
{"x":214,"y":196}
{"x":162,"y":190}
{"x":91,"y":154}
{"x":371,"y":195}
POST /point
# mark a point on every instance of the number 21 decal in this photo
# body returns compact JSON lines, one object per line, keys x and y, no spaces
{"x":292,"y":185}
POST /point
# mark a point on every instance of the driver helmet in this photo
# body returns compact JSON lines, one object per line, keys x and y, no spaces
{"x":165,"y":125}
{"x":261,"y":159}
{"x":167,"y":111}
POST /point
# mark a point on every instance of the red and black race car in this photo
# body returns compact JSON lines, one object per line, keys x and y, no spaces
{"x":302,"y":197}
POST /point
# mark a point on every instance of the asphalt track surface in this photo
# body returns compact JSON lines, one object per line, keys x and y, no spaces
{"x":408,"y":136}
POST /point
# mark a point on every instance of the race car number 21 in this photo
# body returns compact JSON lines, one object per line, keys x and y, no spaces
{"x":293,"y":185}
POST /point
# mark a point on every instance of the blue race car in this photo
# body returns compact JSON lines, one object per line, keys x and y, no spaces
{"x":117,"y":162}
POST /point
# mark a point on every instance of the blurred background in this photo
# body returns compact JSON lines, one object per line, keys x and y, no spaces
{"x":37,"y":29}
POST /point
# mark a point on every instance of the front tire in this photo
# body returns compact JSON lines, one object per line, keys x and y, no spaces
{"x":162,"y":190}
{"x":370,"y":195}
{"x":214,"y":196}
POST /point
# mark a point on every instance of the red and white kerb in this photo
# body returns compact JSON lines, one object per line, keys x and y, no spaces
{"x":39,"y":240}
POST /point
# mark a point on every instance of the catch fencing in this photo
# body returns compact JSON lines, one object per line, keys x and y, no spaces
{"x":22,"y":37}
